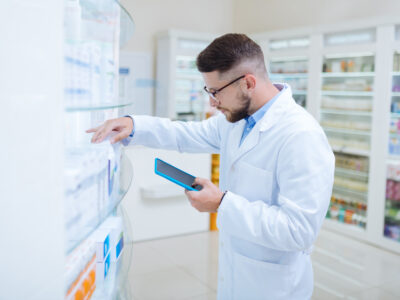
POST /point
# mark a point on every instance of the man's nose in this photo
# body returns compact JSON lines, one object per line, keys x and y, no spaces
{"x":213,"y":102}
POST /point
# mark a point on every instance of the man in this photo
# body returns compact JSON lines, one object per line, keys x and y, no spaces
{"x":276,"y":171}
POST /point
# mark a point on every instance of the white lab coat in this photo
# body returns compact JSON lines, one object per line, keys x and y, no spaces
{"x":279,"y":183}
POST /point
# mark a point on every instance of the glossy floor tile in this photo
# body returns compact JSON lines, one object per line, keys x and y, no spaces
{"x":186,"y":267}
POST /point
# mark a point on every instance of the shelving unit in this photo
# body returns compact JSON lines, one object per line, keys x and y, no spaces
{"x":180,"y":94}
{"x":68,"y":190}
{"x":287,"y":57}
{"x":347,"y":80}
{"x":353,"y":90}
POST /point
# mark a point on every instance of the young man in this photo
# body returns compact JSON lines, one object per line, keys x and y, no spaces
{"x":276,"y":171}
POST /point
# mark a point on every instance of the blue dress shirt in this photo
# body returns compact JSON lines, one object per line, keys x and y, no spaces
{"x":257,"y":116}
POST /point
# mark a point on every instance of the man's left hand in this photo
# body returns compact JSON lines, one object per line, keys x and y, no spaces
{"x":206,"y":200}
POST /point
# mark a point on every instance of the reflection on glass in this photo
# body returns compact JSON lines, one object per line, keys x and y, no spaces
{"x":292,"y":71}
{"x":352,"y":37}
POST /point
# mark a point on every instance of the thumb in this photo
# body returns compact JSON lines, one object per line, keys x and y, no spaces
{"x":120,"y":136}
{"x":200,"y":181}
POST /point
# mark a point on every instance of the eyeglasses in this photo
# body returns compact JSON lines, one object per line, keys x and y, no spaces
{"x":213,"y":94}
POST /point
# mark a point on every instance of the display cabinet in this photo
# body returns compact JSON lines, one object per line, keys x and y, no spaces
{"x":287,"y":60}
{"x":179,"y":90}
{"x":352,"y":90}
{"x":392,"y":203}
{"x":70,"y":233}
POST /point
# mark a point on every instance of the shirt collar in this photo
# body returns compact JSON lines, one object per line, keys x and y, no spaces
{"x":257,"y":116}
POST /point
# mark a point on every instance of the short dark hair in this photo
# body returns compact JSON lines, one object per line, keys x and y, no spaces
{"x":227,"y":51}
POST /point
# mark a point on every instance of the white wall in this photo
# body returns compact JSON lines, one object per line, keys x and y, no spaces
{"x":153,"y":16}
{"x":253,"y":16}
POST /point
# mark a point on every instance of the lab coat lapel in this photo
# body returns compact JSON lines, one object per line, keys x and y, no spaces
{"x":249,"y":143}
{"x":270,"y":118}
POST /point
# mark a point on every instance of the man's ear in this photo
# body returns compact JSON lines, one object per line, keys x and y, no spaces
{"x":250,"y":83}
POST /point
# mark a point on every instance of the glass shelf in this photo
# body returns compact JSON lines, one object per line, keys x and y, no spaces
{"x":347,"y":131}
{"x":299,"y":92}
{"x":288,"y":75}
{"x":396,"y":74}
{"x":104,"y":106}
{"x":349,"y":191}
{"x":346,"y":93}
{"x":353,"y":151}
{"x":351,"y":172}
{"x":346,"y":112}
{"x":395,"y":94}
{"x":127,"y":26}
{"x":126,"y":175}
{"x":348,"y":74}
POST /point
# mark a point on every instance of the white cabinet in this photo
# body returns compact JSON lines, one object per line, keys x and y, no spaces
{"x":353,"y":91}
{"x":60,"y":81}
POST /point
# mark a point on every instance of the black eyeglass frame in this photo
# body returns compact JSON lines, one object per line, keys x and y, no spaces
{"x":212,"y":94}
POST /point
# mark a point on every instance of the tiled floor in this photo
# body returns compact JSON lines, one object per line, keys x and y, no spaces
{"x":185,"y":267}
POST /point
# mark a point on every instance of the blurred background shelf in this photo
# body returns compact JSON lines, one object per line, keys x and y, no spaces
{"x":104,"y":106}
{"x":348,"y":74}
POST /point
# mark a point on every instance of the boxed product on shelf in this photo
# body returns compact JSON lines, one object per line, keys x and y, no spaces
{"x":352,"y":162}
{"x":396,"y":62}
{"x":349,"y":64}
{"x":347,"y":103}
{"x":115,"y":226}
{"x":342,"y":141}
{"x":349,"y":212}
{"x":347,"y":84}
{"x":393,"y":170}
{"x":80,"y":271}
{"x":352,"y":184}
{"x":288,"y":67}
{"x":346,"y":122}
{"x":396,"y":84}
{"x":394,"y":145}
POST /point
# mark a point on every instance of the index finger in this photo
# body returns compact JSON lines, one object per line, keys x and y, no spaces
{"x":94,"y":129}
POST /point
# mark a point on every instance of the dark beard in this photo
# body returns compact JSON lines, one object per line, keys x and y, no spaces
{"x":242,"y":112}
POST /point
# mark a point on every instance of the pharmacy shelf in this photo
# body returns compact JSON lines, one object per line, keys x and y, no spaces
{"x":299,"y":92}
{"x":346,"y":131}
{"x":347,"y":112}
{"x":395,"y":73}
{"x":288,"y":75}
{"x":115,"y":286}
{"x":395,"y":94}
{"x":127,"y":26}
{"x":352,"y":151}
{"x":351,"y":172}
{"x":126,"y":175}
{"x":347,"y":74}
{"x":348,"y":229}
{"x":104,"y":106}
{"x":350,"y":191}
{"x":393,"y":157}
{"x":395,"y":115}
{"x":347,"y":93}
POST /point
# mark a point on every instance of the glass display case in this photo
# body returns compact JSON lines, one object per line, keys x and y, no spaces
{"x":392,"y":195}
{"x":96,"y":176}
{"x":287,"y":62}
{"x":346,"y":107}
{"x":294,"y":72}
{"x":179,"y":93}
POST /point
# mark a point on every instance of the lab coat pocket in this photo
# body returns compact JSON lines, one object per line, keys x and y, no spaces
{"x":253,"y":183}
{"x":254,"y":279}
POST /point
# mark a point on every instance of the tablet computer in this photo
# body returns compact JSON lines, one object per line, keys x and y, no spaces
{"x":175,"y":175}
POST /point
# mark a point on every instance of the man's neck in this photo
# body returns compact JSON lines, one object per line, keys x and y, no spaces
{"x":262,"y":96}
